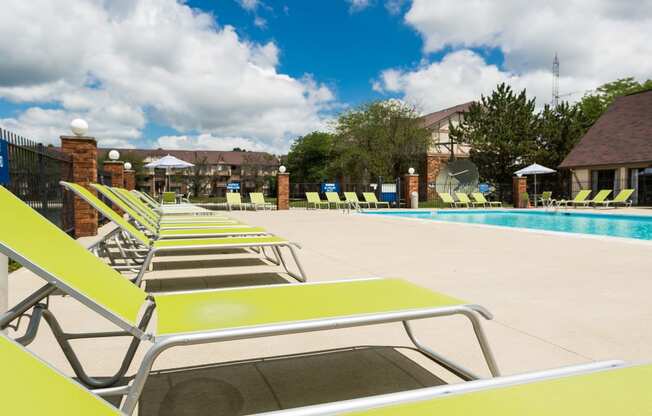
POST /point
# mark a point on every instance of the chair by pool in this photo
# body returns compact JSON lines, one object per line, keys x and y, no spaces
{"x":333,"y":199}
{"x":480,"y":199}
{"x":447,"y":199}
{"x":623,"y":198}
{"x":579,"y":199}
{"x":234,"y":200}
{"x":599,"y":198}
{"x":352,"y":199}
{"x":546,"y":199}
{"x":463,"y":199}
{"x":258,"y":201}
{"x":371,"y":199}
{"x":169,"y":198}
{"x":183,"y":318}
{"x":312,"y":198}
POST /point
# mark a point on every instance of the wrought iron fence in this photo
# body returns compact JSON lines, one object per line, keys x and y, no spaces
{"x":35,"y":171}
{"x":104,"y":178}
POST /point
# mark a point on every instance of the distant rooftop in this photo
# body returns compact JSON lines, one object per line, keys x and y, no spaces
{"x":622,"y":135}
{"x":437,"y":116}
{"x":213,"y":157}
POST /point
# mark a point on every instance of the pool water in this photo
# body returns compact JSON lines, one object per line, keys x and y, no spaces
{"x":613,"y":225}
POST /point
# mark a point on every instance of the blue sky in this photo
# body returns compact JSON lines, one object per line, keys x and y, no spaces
{"x":259,"y":73}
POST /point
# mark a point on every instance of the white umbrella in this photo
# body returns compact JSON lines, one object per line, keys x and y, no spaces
{"x":534,"y":169}
{"x":169,"y":162}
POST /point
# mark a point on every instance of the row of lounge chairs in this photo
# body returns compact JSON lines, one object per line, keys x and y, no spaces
{"x":351,"y":201}
{"x":94,"y":279}
{"x":600,"y":200}
{"x":463,"y":200}
{"x":233,"y":201}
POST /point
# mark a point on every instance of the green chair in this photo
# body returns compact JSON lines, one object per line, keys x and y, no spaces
{"x":463,"y":199}
{"x":258,"y":201}
{"x":234,"y":200}
{"x":312,"y":198}
{"x":143,"y":248}
{"x":333,"y":199}
{"x":162,"y":218}
{"x":546,"y":199}
{"x":32,"y":387}
{"x":623,"y":198}
{"x":481,"y":200}
{"x":579,"y":199}
{"x":370,"y":198}
{"x":146,"y":222}
{"x":447,"y":199}
{"x":169,"y":198}
{"x":352,"y":199}
{"x":599,"y":198}
{"x":207,"y":317}
{"x":603,"y":388}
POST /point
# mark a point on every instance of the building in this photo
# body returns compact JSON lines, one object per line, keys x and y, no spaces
{"x":215,"y":170}
{"x":616,"y":152}
{"x":443,"y":148}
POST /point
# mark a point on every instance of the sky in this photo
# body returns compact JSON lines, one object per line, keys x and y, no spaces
{"x":257,"y":74}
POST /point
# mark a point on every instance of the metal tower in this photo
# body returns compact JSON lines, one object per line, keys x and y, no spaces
{"x":555,"y":81}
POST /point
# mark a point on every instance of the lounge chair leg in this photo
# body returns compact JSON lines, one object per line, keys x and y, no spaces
{"x":482,"y":340}
{"x":301,"y":277}
{"x":144,"y":267}
{"x":454,"y":368}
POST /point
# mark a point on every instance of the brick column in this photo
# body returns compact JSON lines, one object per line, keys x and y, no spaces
{"x":130,"y":179}
{"x":117,"y":170}
{"x":519,"y":187}
{"x":84,"y":171}
{"x":411,"y":185}
{"x":433,"y":166}
{"x":283,"y":190}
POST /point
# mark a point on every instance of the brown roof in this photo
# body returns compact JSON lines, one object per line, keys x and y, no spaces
{"x":437,"y":116}
{"x":623,"y":134}
{"x":213,"y":157}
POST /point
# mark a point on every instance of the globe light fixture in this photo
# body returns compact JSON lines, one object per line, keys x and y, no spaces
{"x":411,"y":171}
{"x":128,"y":166}
{"x":114,"y":155}
{"x":79,"y":127}
{"x":282,"y":169}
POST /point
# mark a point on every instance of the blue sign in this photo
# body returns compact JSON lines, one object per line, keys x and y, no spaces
{"x":233,"y":186}
{"x":4,"y":162}
{"x":330,"y":187}
{"x":484,"y":188}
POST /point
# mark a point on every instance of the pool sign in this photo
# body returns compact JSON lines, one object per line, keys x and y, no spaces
{"x":4,"y":162}
{"x":233,"y":186}
{"x":484,"y":188}
{"x":330,"y":187}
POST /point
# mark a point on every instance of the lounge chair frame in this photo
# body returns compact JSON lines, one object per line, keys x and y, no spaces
{"x":142,"y":256}
{"x":162,"y":343}
{"x":428,"y":393}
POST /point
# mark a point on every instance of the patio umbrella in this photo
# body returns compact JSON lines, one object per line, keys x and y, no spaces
{"x":534,"y":169}
{"x":169,"y":162}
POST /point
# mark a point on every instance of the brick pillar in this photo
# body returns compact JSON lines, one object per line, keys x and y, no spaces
{"x":84,"y":171}
{"x":519,"y":187}
{"x":433,"y":166}
{"x":130,"y":179}
{"x":411,"y":185}
{"x":282,"y":190}
{"x":117,"y":170}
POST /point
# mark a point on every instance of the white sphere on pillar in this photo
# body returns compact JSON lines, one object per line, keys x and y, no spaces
{"x":114,"y":155}
{"x":411,"y":171}
{"x":79,"y":127}
{"x":128,"y":166}
{"x":282,"y":169}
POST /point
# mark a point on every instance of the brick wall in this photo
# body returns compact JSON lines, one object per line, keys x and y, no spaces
{"x":411,"y":185}
{"x":117,"y":170}
{"x":519,"y":186}
{"x":84,"y":171}
{"x":130,"y":180}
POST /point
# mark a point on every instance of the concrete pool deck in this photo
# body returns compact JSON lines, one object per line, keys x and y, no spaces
{"x":556,"y":300}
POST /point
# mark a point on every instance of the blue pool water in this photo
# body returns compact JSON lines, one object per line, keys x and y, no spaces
{"x":613,"y":225}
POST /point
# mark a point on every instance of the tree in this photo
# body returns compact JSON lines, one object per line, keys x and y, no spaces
{"x":309,"y":157}
{"x":595,"y":104}
{"x":256,"y":169}
{"x":501,"y":130}
{"x":198,"y":176}
{"x":382,"y":138}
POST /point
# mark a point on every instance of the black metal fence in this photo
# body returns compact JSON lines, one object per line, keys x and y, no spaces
{"x":35,"y":171}
{"x":104,"y":178}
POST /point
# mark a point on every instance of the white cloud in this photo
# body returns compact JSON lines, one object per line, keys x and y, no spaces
{"x":597,"y":41}
{"x":394,"y":6}
{"x":358,"y":5}
{"x":209,"y":142}
{"x":249,"y":5}
{"x":115,"y":63}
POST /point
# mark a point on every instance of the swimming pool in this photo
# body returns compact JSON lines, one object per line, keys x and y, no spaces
{"x":612,"y":225}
